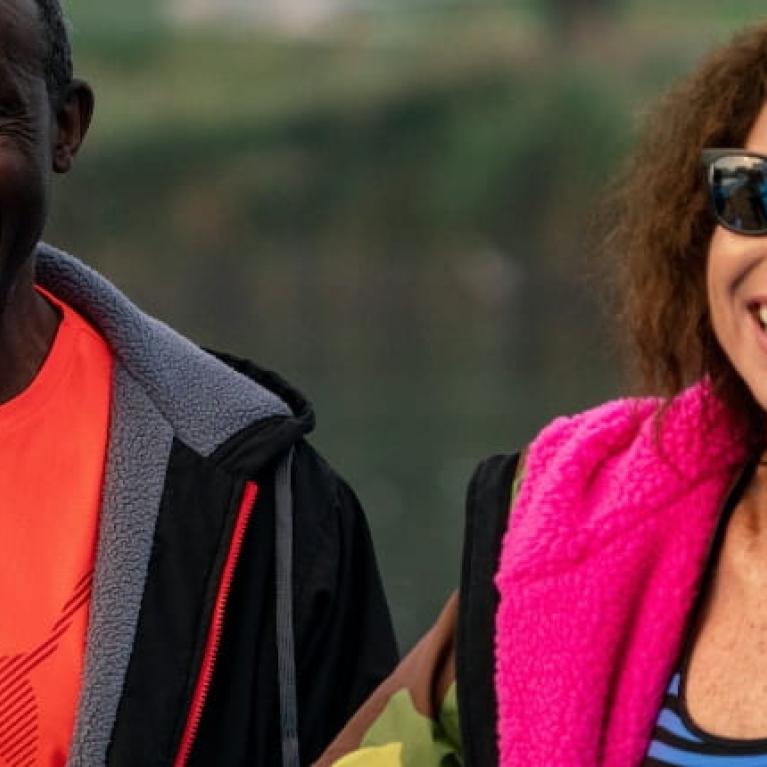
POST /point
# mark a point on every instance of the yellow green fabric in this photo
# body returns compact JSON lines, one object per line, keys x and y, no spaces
{"x":422,"y":742}
{"x":517,"y":481}
{"x":389,"y":755}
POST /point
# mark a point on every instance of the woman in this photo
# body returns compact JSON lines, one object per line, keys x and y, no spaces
{"x":628,"y":623}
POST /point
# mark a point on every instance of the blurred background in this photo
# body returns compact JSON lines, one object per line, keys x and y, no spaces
{"x":388,"y":201}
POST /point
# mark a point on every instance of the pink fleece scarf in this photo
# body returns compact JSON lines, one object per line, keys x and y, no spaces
{"x":607,"y":541}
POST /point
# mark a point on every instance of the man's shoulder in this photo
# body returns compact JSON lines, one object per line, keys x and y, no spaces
{"x":205,"y":399}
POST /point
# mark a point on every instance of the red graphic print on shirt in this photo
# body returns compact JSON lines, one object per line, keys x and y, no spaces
{"x":19,"y":719}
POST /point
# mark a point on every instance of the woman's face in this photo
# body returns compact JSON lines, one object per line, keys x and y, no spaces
{"x":736,"y":280}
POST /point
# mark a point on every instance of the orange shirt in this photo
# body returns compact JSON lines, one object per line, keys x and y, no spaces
{"x":53,"y":438}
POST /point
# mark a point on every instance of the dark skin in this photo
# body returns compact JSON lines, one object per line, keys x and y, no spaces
{"x":40,"y":135}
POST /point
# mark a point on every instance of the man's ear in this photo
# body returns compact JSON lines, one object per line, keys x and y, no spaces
{"x":72,"y":120}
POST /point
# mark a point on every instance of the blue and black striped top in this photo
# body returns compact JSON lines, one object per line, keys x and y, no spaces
{"x":678,"y":742}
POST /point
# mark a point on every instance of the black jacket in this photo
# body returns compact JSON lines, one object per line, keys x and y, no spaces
{"x":487,"y":517}
{"x":344,"y":642}
{"x":237,"y":615}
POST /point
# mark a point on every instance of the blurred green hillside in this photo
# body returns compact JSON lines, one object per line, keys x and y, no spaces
{"x":392,"y":210}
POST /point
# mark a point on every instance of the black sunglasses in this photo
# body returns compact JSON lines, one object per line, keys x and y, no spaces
{"x":737,"y":183}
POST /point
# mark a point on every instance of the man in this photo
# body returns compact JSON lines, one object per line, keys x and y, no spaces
{"x":183,"y":580}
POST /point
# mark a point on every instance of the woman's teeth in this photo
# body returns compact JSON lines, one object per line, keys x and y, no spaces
{"x":761,"y":313}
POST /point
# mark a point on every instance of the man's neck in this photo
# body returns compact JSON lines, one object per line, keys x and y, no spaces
{"x":28,"y":326}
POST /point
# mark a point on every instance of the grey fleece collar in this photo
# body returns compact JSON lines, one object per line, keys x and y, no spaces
{"x":164,"y":387}
{"x":140,"y":442}
{"x":205,"y":401}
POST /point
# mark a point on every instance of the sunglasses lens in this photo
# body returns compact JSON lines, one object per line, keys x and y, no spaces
{"x":739,"y":192}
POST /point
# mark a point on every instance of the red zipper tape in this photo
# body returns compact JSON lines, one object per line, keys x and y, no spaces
{"x":202,"y":686}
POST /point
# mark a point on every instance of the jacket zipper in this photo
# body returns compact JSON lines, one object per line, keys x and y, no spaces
{"x":210,"y":654}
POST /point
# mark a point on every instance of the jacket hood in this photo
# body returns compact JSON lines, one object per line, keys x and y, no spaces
{"x":206,"y":398}
{"x":268,"y":437}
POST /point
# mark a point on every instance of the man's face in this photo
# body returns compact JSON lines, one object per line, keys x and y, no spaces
{"x":28,"y":136}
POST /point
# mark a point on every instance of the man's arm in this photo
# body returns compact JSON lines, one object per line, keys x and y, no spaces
{"x":344,"y":639}
{"x":411,"y":720}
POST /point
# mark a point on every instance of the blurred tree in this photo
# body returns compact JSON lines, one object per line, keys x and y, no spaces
{"x":391,"y":213}
{"x":115,"y":19}
{"x":573,"y":19}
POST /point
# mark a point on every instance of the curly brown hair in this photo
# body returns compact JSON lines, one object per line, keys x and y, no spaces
{"x":662,"y":225}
